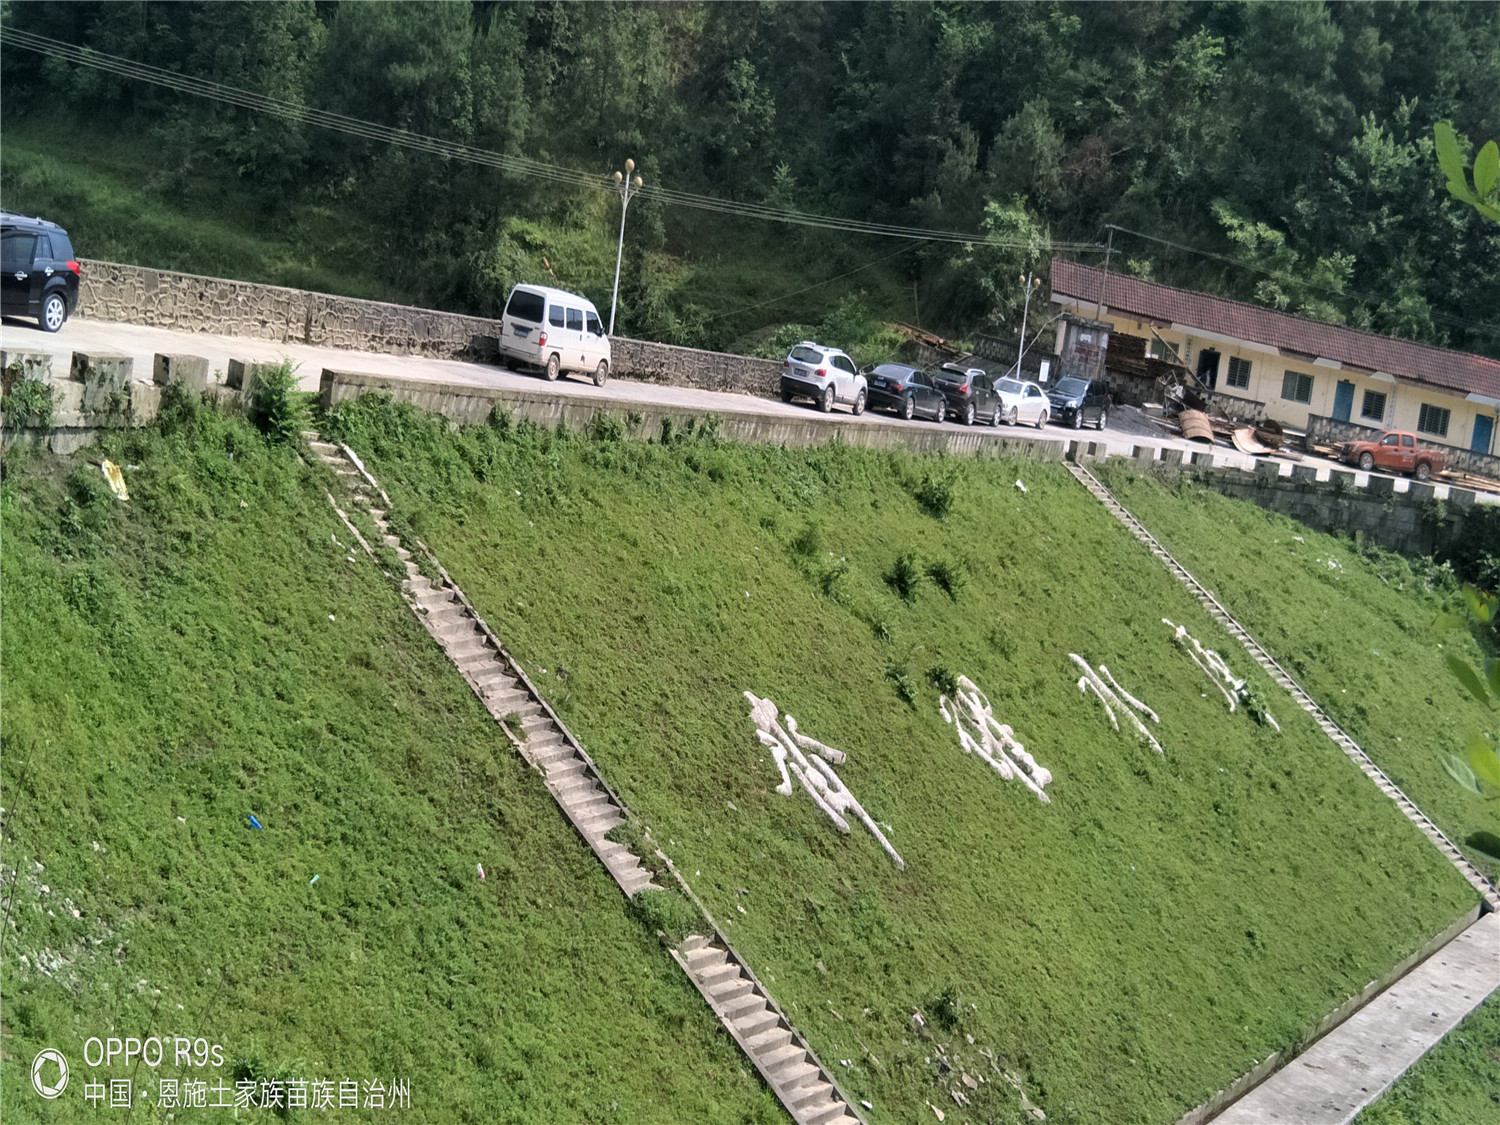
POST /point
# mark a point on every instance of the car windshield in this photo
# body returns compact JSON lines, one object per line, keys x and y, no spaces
{"x":891,"y":371}
{"x":951,"y":376}
{"x":807,"y":355}
{"x":1072,"y":387}
{"x":525,"y":305}
{"x":1008,"y":387}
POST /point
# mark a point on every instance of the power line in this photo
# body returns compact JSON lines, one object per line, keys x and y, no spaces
{"x":515,"y":165}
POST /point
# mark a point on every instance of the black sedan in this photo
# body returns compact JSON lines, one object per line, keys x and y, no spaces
{"x":906,"y":390}
{"x":970,"y":394}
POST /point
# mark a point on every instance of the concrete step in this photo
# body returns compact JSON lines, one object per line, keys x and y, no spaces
{"x":589,"y":803}
{"x":792,"y":1075}
{"x":811,"y":1093}
{"x":712,"y":974}
{"x":747,"y":1006}
{"x":559,"y":758}
{"x":634,"y":881}
{"x":694,"y":942}
{"x":755,"y":1022}
{"x":769,"y":1039}
{"x":704,"y":956}
{"x":598,"y":824}
{"x":730,"y":989}
{"x":826,"y":1115}
{"x":782,"y":1058}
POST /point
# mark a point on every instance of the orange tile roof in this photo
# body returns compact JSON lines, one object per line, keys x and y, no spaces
{"x":1438,"y":367}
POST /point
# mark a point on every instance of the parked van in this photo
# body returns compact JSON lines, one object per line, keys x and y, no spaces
{"x":554,"y":330}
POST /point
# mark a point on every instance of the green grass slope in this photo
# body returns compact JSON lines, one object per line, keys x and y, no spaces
{"x":1354,"y":627}
{"x":1119,"y":954}
{"x":214,"y":649}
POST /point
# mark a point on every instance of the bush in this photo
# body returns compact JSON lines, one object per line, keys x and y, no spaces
{"x":667,"y":913}
{"x":935,"y":492}
{"x":948,"y":576}
{"x":30,"y":402}
{"x":276,"y":407}
{"x":905,"y":577}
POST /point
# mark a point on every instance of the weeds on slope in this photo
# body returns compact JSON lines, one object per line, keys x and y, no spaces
{"x":1117,"y":954}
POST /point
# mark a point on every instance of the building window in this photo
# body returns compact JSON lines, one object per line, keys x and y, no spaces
{"x":1296,"y":387}
{"x":1373,"y":406}
{"x":1434,"y":420}
{"x":1239,"y":372}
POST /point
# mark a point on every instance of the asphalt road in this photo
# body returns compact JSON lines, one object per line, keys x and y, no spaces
{"x":1128,"y":428}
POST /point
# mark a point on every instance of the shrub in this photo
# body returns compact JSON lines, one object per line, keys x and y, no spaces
{"x":30,"y":401}
{"x":935,"y":492}
{"x":948,"y":576}
{"x":667,"y":913}
{"x":898,"y":675}
{"x":276,"y":408}
{"x":905,"y":577}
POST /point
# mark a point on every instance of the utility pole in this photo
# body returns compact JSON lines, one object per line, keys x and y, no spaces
{"x":1099,"y":308}
{"x":627,"y":185}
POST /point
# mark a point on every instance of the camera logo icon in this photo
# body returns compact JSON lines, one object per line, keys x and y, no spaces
{"x":39,"y":1073}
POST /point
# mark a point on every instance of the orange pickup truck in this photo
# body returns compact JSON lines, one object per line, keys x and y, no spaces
{"x":1396,"y":451}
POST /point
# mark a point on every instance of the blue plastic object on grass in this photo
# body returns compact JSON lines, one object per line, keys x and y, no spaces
{"x":255,"y":824}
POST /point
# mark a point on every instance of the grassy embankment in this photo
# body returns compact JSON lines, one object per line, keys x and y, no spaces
{"x":1123,"y":951}
{"x":1354,"y":627}
{"x":215,"y":649}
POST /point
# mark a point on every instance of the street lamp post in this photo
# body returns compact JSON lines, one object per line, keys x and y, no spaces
{"x":1026,"y":283}
{"x":627,"y":185}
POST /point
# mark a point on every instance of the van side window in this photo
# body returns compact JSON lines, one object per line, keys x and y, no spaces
{"x":43,"y":248}
{"x":19,"y":248}
{"x":555,"y":315}
{"x":575,"y":320}
{"x":595,"y":328}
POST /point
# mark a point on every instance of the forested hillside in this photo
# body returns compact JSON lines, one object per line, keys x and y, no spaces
{"x":1292,"y":140}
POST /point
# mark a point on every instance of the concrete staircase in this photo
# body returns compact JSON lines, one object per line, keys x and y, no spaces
{"x":1304,"y":700}
{"x":807,"y":1090}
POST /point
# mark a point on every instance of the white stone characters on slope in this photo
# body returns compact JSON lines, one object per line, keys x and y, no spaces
{"x":816,"y":774}
{"x":1120,"y":698}
{"x":980,"y":733}
{"x":1215,"y":668}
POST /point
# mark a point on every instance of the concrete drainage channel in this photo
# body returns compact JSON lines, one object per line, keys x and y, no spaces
{"x":799,"y":1080}
{"x":1370,"y":1045}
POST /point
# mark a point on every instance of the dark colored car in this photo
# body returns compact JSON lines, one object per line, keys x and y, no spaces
{"x":1076,"y":401}
{"x":906,"y":390}
{"x":40,"y":275}
{"x":970,"y":394}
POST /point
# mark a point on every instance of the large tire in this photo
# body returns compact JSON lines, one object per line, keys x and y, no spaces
{"x":1424,"y":470}
{"x":554,"y":368}
{"x":909,"y":408}
{"x":1041,"y":419}
{"x":969,"y":415}
{"x":1366,"y":461}
{"x":859,"y":403}
{"x":825,"y":403}
{"x":54,"y":312}
{"x":601,"y":373}
{"x":1103,"y":419}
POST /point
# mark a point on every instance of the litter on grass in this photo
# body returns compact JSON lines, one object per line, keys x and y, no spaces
{"x":1112,"y":695}
{"x":979,"y":732}
{"x":255,"y":824}
{"x":480,"y":868}
{"x":1021,"y":486}
{"x":815,"y":773}
{"x":1235,"y":691}
{"x":115,"y":478}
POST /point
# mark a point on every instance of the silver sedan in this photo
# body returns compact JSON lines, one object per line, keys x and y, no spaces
{"x":1022,"y":402}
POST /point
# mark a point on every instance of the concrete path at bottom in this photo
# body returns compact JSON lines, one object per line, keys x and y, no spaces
{"x":1358,"y":1061}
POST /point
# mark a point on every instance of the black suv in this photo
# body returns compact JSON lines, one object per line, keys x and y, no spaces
{"x":970,"y":394}
{"x":1076,"y":401}
{"x":40,"y":274}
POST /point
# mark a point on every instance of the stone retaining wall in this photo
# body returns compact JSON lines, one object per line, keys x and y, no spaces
{"x":1330,"y":431}
{"x":164,"y":298}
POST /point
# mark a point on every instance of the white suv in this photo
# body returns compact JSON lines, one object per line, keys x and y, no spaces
{"x":825,"y":375}
{"x":555,"y":330}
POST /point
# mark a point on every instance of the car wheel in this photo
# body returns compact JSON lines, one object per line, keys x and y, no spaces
{"x":1103,"y":418}
{"x":54,"y":312}
{"x":942,"y":412}
{"x":1013,"y":417}
{"x":995,"y":416}
{"x":1078,"y":418}
{"x":1041,"y":419}
{"x":554,"y":368}
{"x":909,"y":408}
{"x":1366,"y":462}
{"x":1424,"y":470}
{"x":601,"y":373}
{"x":786,"y":394}
{"x":969,"y":415}
{"x":859,"y":403}
{"x":825,"y":404}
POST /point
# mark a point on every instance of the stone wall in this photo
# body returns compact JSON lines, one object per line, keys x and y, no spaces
{"x":1330,"y":431}
{"x":137,"y":295}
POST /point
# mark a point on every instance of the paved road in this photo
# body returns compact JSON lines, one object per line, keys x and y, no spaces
{"x":143,"y":343}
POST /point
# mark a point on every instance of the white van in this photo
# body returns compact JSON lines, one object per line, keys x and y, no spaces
{"x":555,"y":330}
